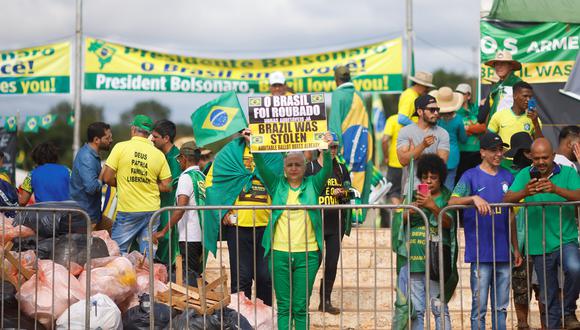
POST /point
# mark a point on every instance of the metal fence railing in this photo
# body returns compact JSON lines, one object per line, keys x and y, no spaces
{"x":517,"y":212}
{"x":34,"y":292}
{"x":359,"y":299}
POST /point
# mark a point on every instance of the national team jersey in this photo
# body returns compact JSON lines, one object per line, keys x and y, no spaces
{"x":491,"y":188}
{"x":506,"y":123}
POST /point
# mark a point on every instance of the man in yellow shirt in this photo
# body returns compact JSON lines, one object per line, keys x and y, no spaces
{"x":140,"y":172}
{"x":507,"y":122}
{"x":394,"y":167}
{"x":422,"y":81}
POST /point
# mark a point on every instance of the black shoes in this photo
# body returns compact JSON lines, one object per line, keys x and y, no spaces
{"x":327,"y":307}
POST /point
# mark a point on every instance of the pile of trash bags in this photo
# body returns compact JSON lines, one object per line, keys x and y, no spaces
{"x":53,"y":294}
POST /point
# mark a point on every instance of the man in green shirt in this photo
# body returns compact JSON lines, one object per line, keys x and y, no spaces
{"x":546,"y":181}
{"x":163,"y":135}
{"x":469,"y":156}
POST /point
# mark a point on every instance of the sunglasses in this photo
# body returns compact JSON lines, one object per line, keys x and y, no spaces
{"x":432,"y":110}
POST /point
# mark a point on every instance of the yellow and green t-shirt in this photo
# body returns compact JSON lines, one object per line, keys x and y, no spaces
{"x":139,"y":166}
{"x":257,"y":195}
{"x":294,"y":231}
{"x":407,"y":103}
{"x":392,"y":128}
{"x":506,"y":123}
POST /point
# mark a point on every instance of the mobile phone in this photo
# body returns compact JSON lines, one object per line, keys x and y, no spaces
{"x":532,"y":104}
{"x":535,"y":174}
{"x":423,"y":188}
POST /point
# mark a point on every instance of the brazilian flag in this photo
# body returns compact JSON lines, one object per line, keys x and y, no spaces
{"x":31,"y":124}
{"x":218,"y":119}
{"x":10,"y":124}
{"x":226,"y":179}
{"x":47,"y":120}
{"x":350,"y":120}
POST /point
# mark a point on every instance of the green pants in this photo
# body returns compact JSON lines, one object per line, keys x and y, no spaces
{"x":293,"y":286}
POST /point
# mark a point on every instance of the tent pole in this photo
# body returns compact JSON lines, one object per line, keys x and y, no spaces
{"x":409,"y":36}
{"x":78,"y":76}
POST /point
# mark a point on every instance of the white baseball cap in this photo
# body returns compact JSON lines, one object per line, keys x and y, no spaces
{"x":463,"y":88}
{"x":277,"y":77}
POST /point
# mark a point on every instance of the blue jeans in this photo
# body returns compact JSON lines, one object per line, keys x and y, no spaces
{"x":571,"y":268}
{"x":450,"y":180}
{"x":482,"y":286}
{"x":129,"y":226}
{"x":418,"y":299}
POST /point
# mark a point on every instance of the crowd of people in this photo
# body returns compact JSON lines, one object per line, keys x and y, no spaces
{"x":440,"y":149}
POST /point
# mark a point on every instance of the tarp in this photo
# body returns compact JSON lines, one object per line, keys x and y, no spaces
{"x":572,"y":87}
{"x":115,"y":67}
{"x":36,"y":70}
{"x":547,"y":52}
{"x":566,"y":11}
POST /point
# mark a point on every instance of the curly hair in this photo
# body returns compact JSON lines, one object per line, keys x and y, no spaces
{"x":432,"y":163}
{"x":44,"y":153}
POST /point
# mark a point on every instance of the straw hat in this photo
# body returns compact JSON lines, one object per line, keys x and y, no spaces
{"x":504,"y":56}
{"x":423,"y":78}
{"x":447,"y":99}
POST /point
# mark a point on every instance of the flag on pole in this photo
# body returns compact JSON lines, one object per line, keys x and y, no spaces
{"x":10,"y":123}
{"x":218,"y":119}
{"x":31,"y":124}
{"x":379,"y":121}
{"x":47,"y":120}
{"x":71,"y":119}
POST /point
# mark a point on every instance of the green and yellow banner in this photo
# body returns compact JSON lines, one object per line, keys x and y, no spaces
{"x":116,"y":67}
{"x":547,"y":51}
{"x":36,"y":70}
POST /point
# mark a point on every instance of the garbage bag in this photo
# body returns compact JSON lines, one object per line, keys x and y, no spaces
{"x":112,"y":246}
{"x":104,"y":315}
{"x":141,"y":265}
{"x":137,"y":318}
{"x":117,"y":279}
{"x":258,"y":314}
{"x":46,"y":280}
{"x":212,"y":322}
{"x":49,"y":220}
{"x":10,"y":313}
{"x":73,"y":247}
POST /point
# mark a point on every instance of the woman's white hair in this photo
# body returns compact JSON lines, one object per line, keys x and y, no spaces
{"x":296,"y":153}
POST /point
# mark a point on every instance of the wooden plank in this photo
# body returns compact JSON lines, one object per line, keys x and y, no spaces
{"x":21,"y":270}
{"x":179,"y":269}
{"x":192,"y":293}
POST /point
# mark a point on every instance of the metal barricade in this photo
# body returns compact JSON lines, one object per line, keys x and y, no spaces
{"x":522,"y":208}
{"x":65,"y":226}
{"x":362,"y":305}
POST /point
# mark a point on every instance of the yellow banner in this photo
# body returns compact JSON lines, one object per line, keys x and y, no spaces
{"x":534,"y":73}
{"x":112,"y":66}
{"x":287,"y":123}
{"x":36,"y":70}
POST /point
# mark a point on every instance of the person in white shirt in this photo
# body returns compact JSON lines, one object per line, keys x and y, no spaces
{"x":568,"y":146}
{"x":190,"y":192}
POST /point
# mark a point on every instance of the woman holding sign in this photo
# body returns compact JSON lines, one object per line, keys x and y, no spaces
{"x":293,"y":238}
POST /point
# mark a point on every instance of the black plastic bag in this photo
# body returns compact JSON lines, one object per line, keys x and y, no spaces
{"x":9,"y":315}
{"x":211,"y":322}
{"x":49,"y":220}
{"x":137,"y":318}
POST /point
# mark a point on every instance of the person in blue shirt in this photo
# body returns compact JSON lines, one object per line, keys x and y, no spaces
{"x":49,"y":181}
{"x":449,"y":102}
{"x":86,"y":177}
{"x":487,"y":236}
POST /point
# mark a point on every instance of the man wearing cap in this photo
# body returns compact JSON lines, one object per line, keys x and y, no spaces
{"x":552,"y":229}
{"x":206,"y":160}
{"x":278,"y":85}
{"x":422,"y":81}
{"x":449,"y":102}
{"x":335,"y":222}
{"x":517,"y":119}
{"x":190,"y":192}
{"x":140,"y":172}
{"x":162,"y":137}
{"x":469,"y":150}
{"x":487,"y":239}
{"x":423,"y":137}
{"x":500,"y":96}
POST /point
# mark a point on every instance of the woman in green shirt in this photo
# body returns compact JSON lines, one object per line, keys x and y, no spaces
{"x":432,"y":171}
{"x":293,"y":238}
